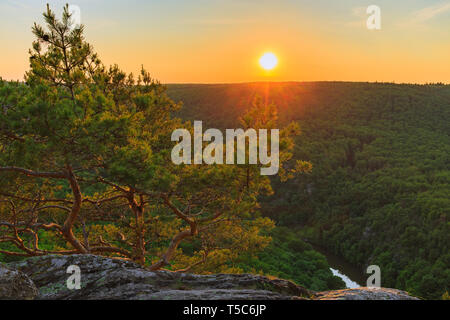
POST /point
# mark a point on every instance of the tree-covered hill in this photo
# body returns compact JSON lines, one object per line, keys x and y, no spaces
{"x":380,"y":186}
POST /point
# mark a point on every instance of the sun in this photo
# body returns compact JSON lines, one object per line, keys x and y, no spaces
{"x":268,"y":61}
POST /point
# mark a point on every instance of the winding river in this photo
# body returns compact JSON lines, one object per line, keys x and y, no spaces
{"x":351,"y":275}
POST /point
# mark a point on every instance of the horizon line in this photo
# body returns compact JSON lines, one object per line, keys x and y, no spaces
{"x":282,"y":81}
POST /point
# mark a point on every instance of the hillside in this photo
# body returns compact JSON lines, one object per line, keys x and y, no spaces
{"x":379,"y":190}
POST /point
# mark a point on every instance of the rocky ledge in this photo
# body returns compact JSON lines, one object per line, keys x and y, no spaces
{"x":16,"y":285}
{"x":364,"y":293}
{"x":105,"y":278}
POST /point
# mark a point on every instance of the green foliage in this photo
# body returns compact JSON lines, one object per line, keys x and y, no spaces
{"x":379,"y":189}
{"x":85,"y":167}
{"x":288,"y":257}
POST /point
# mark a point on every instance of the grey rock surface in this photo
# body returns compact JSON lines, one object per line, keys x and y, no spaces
{"x":15,"y":285}
{"x":114,"y":279}
{"x":105,"y":278}
{"x":364,"y":293}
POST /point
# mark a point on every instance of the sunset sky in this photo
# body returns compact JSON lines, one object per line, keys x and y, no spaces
{"x":210,"y":41}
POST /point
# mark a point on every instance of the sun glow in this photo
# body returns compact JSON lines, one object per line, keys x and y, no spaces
{"x":268,"y":61}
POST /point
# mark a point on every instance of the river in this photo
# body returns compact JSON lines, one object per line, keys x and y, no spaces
{"x":351,"y":275}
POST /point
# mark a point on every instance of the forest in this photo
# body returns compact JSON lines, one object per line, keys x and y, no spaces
{"x":85,"y":169}
{"x":379,"y":188}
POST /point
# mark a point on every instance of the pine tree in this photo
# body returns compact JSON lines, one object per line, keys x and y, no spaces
{"x":85,"y":167}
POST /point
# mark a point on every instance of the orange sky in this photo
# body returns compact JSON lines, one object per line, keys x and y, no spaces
{"x":221,"y":41}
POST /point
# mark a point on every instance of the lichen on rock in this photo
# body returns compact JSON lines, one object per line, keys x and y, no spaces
{"x":15,"y":285}
{"x":366,"y":293}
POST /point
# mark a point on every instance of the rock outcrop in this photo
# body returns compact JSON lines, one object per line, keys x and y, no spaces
{"x":16,"y":285}
{"x":105,"y":278}
{"x":364,"y":294}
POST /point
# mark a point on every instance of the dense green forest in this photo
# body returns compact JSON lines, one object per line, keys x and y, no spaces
{"x":379,"y":191}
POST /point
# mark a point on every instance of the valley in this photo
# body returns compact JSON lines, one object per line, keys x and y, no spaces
{"x":380,"y":186}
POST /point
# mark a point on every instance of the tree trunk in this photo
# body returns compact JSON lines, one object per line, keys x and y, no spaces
{"x":68,"y":224}
{"x":138,"y":210}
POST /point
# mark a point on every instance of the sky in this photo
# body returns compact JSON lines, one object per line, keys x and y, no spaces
{"x":221,"y":41}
